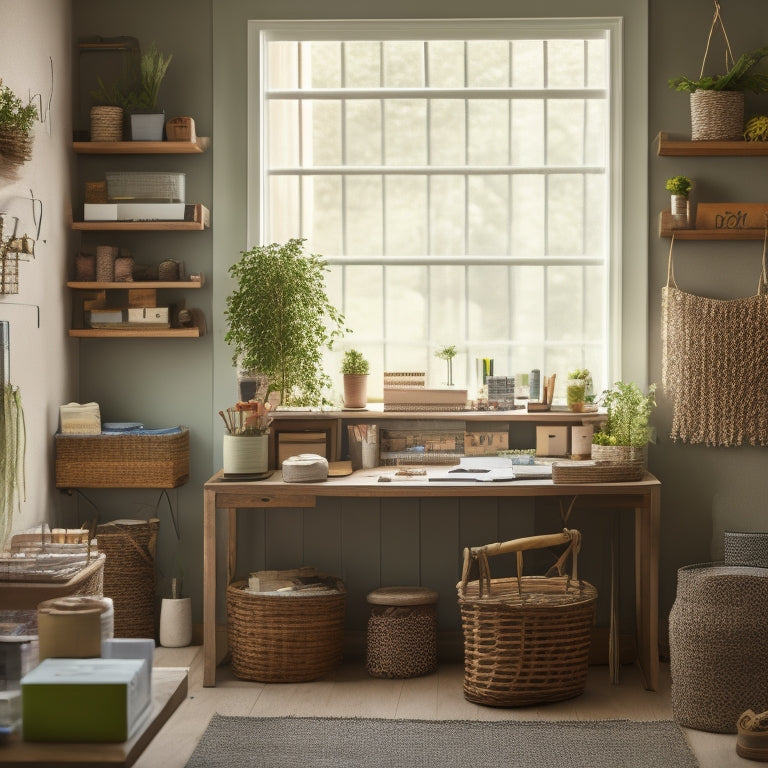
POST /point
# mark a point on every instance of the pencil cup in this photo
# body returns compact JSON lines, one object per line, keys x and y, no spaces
{"x":245,"y":454}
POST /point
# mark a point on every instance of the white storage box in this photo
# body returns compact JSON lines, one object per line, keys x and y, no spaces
{"x":89,"y":700}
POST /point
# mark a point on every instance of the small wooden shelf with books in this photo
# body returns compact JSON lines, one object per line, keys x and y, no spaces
{"x":94,"y":295}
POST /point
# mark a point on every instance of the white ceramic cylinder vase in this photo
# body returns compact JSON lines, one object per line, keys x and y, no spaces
{"x":176,"y":622}
{"x":245,"y":454}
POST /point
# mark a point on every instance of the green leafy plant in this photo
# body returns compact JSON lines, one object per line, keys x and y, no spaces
{"x":353,"y":363}
{"x":280,"y":320}
{"x":579,"y":387}
{"x":679,"y":185}
{"x":742,"y":76}
{"x":628,"y":412}
{"x":756,"y":128}
{"x":15,"y":116}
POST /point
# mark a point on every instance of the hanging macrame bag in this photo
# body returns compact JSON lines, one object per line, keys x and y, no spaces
{"x":715,"y":364}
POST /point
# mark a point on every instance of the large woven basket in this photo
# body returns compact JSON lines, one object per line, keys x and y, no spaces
{"x":717,"y":633}
{"x":129,"y":574}
{"x":526,"y":638}
{"x":717,"y":115}
{"x":122,"y":460}
{"x":287,"y":636}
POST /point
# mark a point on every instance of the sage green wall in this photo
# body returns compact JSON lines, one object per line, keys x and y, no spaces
{"x":705,"y":490}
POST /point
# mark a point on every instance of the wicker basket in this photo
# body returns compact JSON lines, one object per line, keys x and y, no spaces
{"x":526,"y":639}
{"x":122,"y":460}
{"x":106,"y":123}
{"x":717,"y":115}
{"x":286,"y":637}
{"x":597,"y":472}
{"x":129,"y":574}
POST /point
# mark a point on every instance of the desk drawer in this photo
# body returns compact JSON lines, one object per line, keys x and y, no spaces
{"x":263,"y":500}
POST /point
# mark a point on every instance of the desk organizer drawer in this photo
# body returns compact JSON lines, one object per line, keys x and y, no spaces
{"x":122,"y":460}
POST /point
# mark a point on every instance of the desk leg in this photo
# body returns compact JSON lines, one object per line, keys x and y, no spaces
{"x":647,"y":586}
{"x":209,"y":589}
{"x":232,"y":546}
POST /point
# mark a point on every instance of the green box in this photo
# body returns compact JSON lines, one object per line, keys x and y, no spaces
{"x":88,"y":700}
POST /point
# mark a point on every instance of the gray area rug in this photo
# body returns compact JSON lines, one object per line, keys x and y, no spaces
{"x":298,"y":742}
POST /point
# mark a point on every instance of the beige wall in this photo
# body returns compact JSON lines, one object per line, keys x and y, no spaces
{"x":35,"y":44}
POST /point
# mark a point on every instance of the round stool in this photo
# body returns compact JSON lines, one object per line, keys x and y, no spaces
{"x":402,"y":632}
{"x":717,"y":630}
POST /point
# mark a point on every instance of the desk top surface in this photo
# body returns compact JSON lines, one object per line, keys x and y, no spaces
{"x":367,"y":483}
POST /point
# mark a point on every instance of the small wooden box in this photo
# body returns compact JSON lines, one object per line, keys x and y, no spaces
{"x":180,"y":129}
{"x":551,"y":441}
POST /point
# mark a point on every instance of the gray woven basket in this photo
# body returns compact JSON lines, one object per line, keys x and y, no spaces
{"x":717,"y":632}
{"x":746,"y":548}
{"x":717,"y":115}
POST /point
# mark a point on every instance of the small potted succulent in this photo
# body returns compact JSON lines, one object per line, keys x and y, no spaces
{"x":355,"y":369}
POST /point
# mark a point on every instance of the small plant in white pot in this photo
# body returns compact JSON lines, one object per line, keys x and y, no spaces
{"x":355,"y":369}
{"x":679,"y":187}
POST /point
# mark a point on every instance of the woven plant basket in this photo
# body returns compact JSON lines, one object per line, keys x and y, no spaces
{"x":621,"y":454}
{"x":597,"y":472}
{"x":717,"y":633}
{"x":526,"y":638}
{"x":717,"y":115}
{"x":15,"y":147}
{"x":286,"y":637}
{"x":129,"y":574}
{"x":106,"y":123}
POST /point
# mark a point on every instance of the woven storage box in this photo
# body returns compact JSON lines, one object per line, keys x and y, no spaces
{"x":288,"y":636}
{"x":597,"y":472}
{"x":122,"y":460}
{"x":22,"y":597}
{"x":717,"y":634}
{"x":526,"y":638}
{"x":401,"y":641}
{"x":129,"y":574}
{"x":146,"y":186}
{"x":746,"y":548}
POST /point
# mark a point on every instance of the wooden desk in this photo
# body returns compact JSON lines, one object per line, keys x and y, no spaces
{"x":643,"y":496}
{"x":169,"y":689}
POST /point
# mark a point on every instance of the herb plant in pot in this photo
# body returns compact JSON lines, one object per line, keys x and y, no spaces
{"x":578,"y":390}
{"x":626,"y":432}
{"x":147,"y":118}
{"x":679,"y":188}
{"x":281,"y":320}
{"x":717,"y":101}
{"x":355,"y":369}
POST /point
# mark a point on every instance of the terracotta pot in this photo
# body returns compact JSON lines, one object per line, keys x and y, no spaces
{"x":355,"y":390}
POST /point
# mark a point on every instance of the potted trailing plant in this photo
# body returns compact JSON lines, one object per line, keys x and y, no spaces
{"x":355,"y":369}
{"x":679,"y":188}
{"x":447,"y":353}
{"x":280,"y":320}
{"x":626,"y":432}
{"x":16,"y":121}
{"x":717,"y":101}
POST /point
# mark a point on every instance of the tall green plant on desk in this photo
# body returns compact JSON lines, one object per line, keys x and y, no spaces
{"x":280,"y":320}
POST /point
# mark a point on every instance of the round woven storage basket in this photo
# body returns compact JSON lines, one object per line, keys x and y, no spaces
{"x":717,"y":115}
{"x":106,"y":123}
{"x":285,"y":637}
{"x":717,"y":631}
{"x":15,"y":147}
{"x":129,"y":574}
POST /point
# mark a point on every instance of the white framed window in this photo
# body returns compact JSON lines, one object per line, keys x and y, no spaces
{"x":459,"y":177}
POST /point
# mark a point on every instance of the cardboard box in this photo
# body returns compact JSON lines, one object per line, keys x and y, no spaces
{"x":551,"y":441}
{"x":89,"y":700}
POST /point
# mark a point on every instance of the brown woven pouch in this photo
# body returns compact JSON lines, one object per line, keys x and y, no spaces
{"x":713,"y":364}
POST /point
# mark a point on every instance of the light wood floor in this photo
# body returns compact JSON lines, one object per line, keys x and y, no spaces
{"x":351,"y":692}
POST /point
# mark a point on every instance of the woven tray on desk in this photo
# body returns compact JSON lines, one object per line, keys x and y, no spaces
{"x":597,"y":472}
{"x":122,"y":460}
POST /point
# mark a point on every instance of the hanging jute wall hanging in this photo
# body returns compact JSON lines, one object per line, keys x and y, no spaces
{"x":714,"y":365}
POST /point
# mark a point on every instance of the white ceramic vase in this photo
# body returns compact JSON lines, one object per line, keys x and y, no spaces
{"x":245,"y":454}
{"x":176,"y":622}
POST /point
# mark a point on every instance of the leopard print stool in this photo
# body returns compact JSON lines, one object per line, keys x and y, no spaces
{"x":717,"y":630}
{"x":402,"y":632}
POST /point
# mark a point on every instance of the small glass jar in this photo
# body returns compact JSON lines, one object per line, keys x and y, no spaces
{"x":576,"y":394}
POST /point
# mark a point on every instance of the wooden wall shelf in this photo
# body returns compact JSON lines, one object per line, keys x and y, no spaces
{"x":142,"y":147}
{"x":202,"y":221}
{"x":691,"y":233}
{"x":678,"y":147}
{"x":134,"y":333}
{"x":144,"y":284}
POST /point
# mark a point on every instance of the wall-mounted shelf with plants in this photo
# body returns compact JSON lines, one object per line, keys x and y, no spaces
{"x":196,"y":147}
{"x":669,"y":146}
